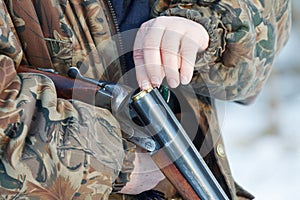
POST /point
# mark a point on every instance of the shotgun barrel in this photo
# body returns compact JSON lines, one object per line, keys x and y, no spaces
{"x":177,"y":146}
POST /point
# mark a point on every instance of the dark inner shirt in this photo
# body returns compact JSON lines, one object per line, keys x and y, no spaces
{"x":130,"y":14}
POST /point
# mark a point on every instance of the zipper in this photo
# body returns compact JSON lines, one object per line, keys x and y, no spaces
{"x":120,"y":41}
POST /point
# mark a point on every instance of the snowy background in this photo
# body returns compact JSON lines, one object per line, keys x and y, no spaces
{"x":263,"y":140}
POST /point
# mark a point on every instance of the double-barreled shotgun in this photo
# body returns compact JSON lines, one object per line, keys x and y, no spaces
{"x":172,"y":149}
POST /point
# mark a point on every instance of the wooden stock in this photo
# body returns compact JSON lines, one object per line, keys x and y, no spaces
{"x":174,"y":176}
{"x":67,"y":88}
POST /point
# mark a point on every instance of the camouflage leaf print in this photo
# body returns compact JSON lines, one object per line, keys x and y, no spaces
{"x":52,"y":148}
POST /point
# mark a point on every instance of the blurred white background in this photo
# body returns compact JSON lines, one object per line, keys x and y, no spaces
{"x":263,"y":140}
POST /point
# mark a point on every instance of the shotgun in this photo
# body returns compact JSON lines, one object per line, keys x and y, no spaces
{"x":145,"y":119}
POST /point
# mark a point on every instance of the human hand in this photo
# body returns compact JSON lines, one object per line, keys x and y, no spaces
{"x":167,"y":47}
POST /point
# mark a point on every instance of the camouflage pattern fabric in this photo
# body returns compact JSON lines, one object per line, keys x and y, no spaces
{"x":53,"y":148}
{"x":245,"y":37}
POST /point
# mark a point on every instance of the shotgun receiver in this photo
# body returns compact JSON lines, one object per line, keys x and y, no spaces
{"x":146,"y":120}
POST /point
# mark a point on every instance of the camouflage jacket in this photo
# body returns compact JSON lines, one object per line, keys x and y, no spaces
{"x":52,"y":148}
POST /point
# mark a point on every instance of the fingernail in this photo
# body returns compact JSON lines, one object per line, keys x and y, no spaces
{"x":184,"y":80}
{"x":172,"y":83}
{"x":155,"y":81}
{"x":145,"y":84}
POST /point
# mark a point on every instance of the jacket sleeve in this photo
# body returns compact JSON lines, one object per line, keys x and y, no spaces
{"x":245,"y":38}
{"x":45,"y":138}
